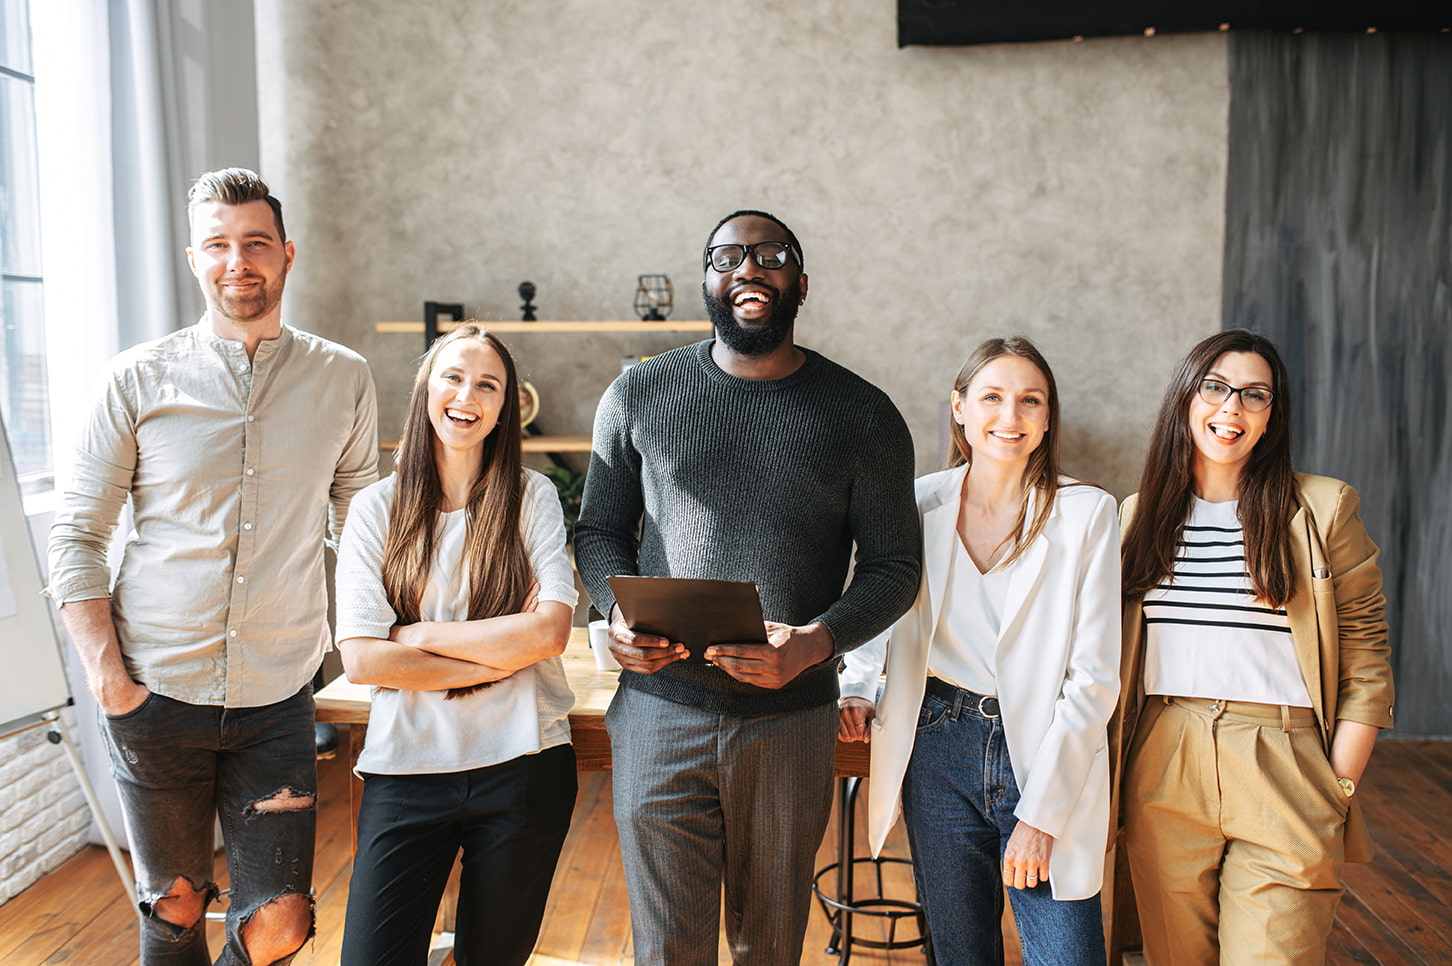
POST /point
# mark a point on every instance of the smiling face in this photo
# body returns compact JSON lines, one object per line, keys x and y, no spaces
{"x":1004,"y":412}
{"x":1225,"y":434}
{"x":468,"y":388}
{"x":239,"y":260}
{"x":752,"y":308}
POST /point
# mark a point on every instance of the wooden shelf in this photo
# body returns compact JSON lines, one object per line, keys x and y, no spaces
{"x":416,"y":328}
{"x":557,"y":444}
{"x":549,"y":444}
{"x":534,"y":444}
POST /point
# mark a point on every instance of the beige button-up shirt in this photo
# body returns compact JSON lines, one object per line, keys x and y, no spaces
{"x":237,"y":473}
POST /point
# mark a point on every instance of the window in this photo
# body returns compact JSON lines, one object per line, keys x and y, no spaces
{"x":24,"y":391}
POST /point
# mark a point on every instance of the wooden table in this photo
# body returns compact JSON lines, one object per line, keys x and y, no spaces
{"x":346,"y":703}
{"x":343,"y":702}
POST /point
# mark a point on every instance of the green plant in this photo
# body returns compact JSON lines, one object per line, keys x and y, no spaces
{"x":570,"y":484}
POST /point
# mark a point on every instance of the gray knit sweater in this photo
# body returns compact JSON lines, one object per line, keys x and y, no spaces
{"x":697,"y":473}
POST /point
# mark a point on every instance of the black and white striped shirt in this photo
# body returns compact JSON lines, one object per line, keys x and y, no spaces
{"x":1207,"y":634}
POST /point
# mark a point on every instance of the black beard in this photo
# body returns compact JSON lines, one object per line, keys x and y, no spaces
{"x":757,"y":340}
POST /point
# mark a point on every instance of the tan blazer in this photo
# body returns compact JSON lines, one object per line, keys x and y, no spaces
{"x":1338,"y":626}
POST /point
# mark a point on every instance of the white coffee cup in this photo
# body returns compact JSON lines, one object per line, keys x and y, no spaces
{"x":600,"y":646}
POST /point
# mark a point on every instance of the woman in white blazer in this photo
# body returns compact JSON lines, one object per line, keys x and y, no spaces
{"x":1000,"y":680}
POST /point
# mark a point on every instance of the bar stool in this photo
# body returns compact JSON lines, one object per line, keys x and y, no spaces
{"x":840,"y":907}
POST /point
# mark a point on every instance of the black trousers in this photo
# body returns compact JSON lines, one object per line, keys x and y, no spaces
{"x":510,"y":820}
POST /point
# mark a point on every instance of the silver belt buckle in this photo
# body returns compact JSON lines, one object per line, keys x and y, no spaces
{"x":984,"y":699}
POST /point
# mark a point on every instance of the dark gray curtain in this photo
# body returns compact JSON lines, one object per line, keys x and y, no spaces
{"x":1338,"y":212}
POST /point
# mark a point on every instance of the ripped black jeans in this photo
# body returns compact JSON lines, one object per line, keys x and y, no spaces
{"x":179,"y":767}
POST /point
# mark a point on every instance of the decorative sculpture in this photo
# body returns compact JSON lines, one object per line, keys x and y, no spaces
{"x":526,"y":292}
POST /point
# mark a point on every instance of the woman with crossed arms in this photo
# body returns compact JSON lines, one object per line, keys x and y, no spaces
{"x":1000,"y":680}
{"x":454,"y":601}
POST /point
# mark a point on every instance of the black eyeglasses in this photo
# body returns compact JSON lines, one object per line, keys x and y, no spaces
{"x":768,"y":255}
{"x":1253,"y":398}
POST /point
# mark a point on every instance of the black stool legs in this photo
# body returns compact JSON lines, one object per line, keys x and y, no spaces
{"x":841,"y":907}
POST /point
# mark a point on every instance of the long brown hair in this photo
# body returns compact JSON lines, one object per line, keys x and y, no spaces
{"x":1042,"y":472}
{"x":1266,"y":499}
{"x":496,"y":561}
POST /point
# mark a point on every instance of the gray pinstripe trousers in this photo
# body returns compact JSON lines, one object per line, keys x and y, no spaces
{"x":704,"y":800}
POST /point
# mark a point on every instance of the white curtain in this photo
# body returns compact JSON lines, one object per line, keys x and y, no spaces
{"x":134,"y":99}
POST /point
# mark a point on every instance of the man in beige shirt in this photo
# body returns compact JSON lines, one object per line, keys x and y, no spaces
{"x":239,"y":442}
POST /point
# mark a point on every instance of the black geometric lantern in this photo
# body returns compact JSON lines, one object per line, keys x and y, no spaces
{"x":653,"y":297}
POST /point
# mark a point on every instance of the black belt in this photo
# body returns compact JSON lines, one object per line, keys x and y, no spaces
{"x":986,"y":705}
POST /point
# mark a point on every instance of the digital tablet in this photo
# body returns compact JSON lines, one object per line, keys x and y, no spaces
{"x":696,"y":613}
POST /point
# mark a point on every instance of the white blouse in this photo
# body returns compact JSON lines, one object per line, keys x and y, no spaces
{"x":966,"y":638}
{"x":419,"y":731}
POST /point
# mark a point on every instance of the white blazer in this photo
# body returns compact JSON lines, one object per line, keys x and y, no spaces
{"x":1056,"y":664}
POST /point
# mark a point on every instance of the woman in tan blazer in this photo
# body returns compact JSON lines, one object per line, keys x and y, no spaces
{"x":1255,"y":674}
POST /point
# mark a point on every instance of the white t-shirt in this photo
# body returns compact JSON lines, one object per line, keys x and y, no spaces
{"x":1206,"y":633}
{"x":413,"y":732}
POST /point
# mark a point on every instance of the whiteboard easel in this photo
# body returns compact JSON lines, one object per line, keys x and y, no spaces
{"x":33,"y":687}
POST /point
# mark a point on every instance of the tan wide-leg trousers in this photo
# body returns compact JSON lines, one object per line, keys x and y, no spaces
{"x":1233,"y":825}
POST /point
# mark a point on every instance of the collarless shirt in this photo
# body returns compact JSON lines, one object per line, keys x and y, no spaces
{"x":237,"y":472}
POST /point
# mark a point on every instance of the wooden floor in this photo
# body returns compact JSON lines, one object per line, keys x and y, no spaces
{"x":1397,"y":910}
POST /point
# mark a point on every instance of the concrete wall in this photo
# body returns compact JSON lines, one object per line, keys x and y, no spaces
{"x":450,"y":149}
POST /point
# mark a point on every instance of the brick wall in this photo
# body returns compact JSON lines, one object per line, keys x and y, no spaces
{"x":44,"y":819}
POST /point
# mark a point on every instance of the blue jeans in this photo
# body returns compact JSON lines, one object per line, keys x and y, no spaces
{"x":958,"y":798}
{"x":179,"y":767}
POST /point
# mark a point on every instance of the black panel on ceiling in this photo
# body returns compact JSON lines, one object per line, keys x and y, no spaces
{"x":948,"y":23}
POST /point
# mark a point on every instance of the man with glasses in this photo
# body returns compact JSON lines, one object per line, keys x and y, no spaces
{"x":746,"y":457}
{"x":238,"y":442}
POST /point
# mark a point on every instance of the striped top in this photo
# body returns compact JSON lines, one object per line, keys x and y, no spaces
{"x":1206,"y":633}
